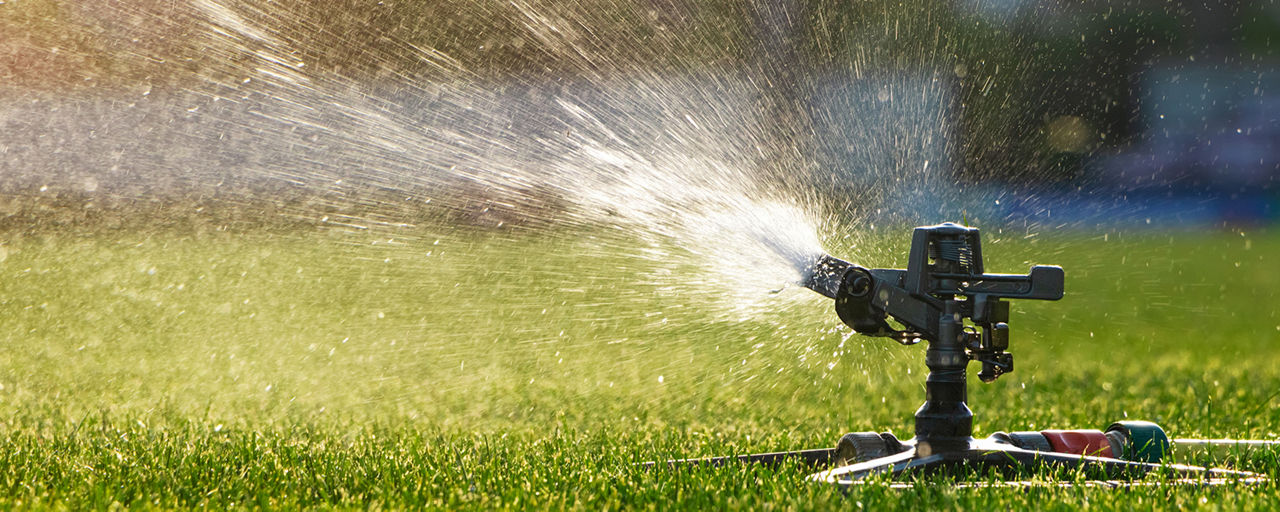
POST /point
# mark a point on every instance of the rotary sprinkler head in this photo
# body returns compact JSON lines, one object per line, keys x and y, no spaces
{"x":943,"y":295}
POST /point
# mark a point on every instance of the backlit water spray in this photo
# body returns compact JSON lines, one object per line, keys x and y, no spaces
{"x":434,"y":232}
{"x":661,"y":160}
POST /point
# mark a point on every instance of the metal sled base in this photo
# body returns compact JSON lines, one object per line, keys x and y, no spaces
{"x":994,"y":456}
{"x":1005,"y":459}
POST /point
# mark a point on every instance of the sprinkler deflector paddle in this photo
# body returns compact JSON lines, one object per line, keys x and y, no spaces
{"x":946,"y":298}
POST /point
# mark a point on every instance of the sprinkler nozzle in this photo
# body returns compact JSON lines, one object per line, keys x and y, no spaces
{"x":823,"y":275}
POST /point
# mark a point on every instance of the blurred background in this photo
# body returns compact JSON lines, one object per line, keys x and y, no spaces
{"x":1132,"y":111}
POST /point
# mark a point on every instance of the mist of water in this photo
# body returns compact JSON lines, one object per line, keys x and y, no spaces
{"x":706,"y":181}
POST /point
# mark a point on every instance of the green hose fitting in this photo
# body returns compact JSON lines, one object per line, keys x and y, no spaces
{"x":1139,"y":441}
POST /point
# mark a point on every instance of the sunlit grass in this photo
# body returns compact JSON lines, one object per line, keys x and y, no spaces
{"x":258,"y":369}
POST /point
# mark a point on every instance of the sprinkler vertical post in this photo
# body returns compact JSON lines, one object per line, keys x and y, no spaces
{"x":945,"y":423}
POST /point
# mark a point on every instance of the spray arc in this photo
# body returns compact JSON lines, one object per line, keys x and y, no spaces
{"x":945,"y":298}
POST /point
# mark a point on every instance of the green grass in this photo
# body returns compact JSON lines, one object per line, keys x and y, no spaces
{"x":259,"y":369}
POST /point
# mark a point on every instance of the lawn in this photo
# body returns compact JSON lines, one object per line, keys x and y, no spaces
{"x":434,"y":367}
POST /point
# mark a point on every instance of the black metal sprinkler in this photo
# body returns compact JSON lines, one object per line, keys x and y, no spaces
{"x":944,"y":297}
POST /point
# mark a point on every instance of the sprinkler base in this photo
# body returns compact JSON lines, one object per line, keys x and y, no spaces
{"x":992,"y":455}
{"x":859,"y":459}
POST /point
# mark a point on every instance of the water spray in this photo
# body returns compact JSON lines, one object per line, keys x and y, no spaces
{"x":946,"y":298}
